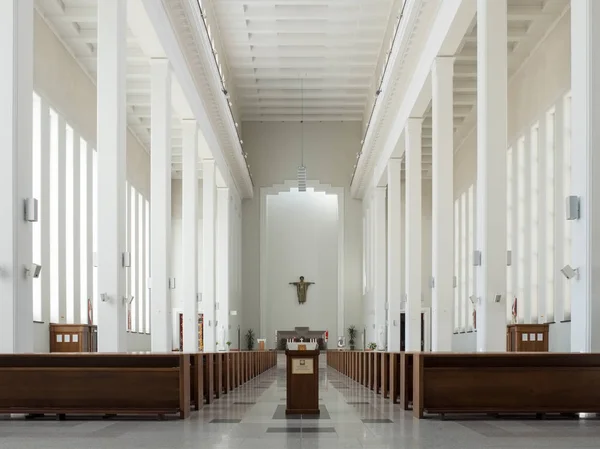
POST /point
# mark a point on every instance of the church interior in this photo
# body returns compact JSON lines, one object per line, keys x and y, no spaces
{"x":299,"y":224}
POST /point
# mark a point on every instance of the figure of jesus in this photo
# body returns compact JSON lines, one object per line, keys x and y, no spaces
{"x":301,"y":288}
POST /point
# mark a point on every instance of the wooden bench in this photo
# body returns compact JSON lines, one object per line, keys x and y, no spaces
{"x":88,"y":383}
{"x":535,"y":383}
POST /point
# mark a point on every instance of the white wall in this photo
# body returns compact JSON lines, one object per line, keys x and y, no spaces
{"x":539,"y":84}
{"x":302,"y":241}
{"x":274,"y":154}
{"x":60,"y":80}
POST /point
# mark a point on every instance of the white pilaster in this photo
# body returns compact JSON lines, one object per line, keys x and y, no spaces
{"x":45,"y":208}
{"x":160,"y":212}
{"x":443,"y":203}
{"x":90,"y":233}
{"x":380,"y":267}
{"x":112,"y":149}
{"x":394,"y":252}
{"x":222,"y":266}
{"x":189,"y":225}
{"x":413,"y":233}
{"x":16,"y":90}
{"x":491,"y":173}
{"x":585,"y":179}
{"x":62,"y":220}
{"x":208,"y":252}
{"x":75,"y":277}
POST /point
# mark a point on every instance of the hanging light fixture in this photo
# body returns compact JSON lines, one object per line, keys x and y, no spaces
{"x":302,"y":168}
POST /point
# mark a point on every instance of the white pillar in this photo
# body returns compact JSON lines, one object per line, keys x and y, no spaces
{"x":379,"y":266}
{"x":189,"y":283}
{"x":62,"y":220}
{"x":394,"y":252}
{"x":585,"y":178}
{"x":160,"y":212}
{"x":208,"y":252}
{"x":491,"y":173}
{"x":112,"y":149}
{"x":75,"y":277}
{"x":413,"y":233}
{"x":16,"y":90}
{"x":443,"y":204}
{"x":45,"y":209}
{"x":90,"y":234}
{"x":222,"y":267}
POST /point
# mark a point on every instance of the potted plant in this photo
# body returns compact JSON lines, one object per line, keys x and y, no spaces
{"x":372,"y":346}
{"x":352,"y":333}
{"x":217,"y":345}
{"x":250,"y":340}
{"x":228,"y":345}
{"x":282,"y":344}
{"x":321,"y":344}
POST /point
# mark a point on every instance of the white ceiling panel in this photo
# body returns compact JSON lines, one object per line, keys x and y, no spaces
{"x":289,"y":59}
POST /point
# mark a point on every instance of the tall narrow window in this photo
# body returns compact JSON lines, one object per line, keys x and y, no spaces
{"x":566,"y":192}
{"x":127,"y":248}
{"x":133,"y":269}
{"x":470,"y":249}
{"x":141,"y":294}
{"x":148,"y":291}
{"x":364,"y":258}
{"x":509,"y":230}
{"x":534,"y":224}
{"x":54,"y":203}
{"x":69,"y":267}
{"x":521,"y":223}
{"x":464,"y":276}
{"x":83,"y":230}
{"x":95,"y":232}
{"x":456,"y":265}
{"x":37,"y":193}
{"x":550,"y":215}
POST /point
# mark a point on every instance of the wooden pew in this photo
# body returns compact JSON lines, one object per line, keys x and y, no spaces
{"x":197,"y":380}
{"x":385,"y":374}
{"x":406,"y":379}
{"x":209,"y":369}
{"x":92,"y":383}
{"x":535,"y":383}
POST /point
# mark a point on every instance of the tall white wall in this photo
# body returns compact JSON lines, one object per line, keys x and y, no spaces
{"x":274,"y":151}
{"x":539,"y":84}
{"x":302,"y":241}
{"x":60,"y":80}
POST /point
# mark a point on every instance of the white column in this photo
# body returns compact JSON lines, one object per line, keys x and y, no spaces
{"x":160,"y":212}
{"x":413,"y":233}
{"x":491,"y":173}
{"x":16,"y":90}
{"x":208,"y":252}
{"x":112,"y":152}
{"x":90,"y":227}
{"x":62,"y":220}
{"x":75,"y":277}
{"x":442,"y":75}
{"x":189,"y":283}
{"x":45,"y":209}
{"x":394,"y":252}
{"x":379,"y":266}
{"x":222,"y":266}
{"x":585,"y":178}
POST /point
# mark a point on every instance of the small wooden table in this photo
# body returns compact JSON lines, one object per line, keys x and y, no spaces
{"x":302,"y":383}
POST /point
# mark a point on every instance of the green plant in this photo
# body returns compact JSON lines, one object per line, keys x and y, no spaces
{"x":282,"y":344}
{"x":228,"y":345}
{"x":372,"y":346}
{"x":352,"y":333}
{"x":250,"y":340}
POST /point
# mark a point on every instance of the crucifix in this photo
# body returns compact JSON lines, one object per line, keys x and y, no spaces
{"x":301,"y":288}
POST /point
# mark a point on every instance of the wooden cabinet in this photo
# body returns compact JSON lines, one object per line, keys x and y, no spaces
{"x":527,"y":337}
{"x":73,"y":338}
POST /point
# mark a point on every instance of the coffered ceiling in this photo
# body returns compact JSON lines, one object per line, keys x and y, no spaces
{"x":289,"y":59}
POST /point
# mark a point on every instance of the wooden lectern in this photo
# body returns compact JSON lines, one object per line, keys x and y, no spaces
{"x":302,"y":382}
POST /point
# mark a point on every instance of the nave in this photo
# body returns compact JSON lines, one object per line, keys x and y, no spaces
{"x":253,"y":417}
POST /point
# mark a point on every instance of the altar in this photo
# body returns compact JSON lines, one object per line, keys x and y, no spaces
{"x":304,"y":333}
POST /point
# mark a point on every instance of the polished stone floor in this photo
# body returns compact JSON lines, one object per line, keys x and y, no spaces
{"x":253,"y":417}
